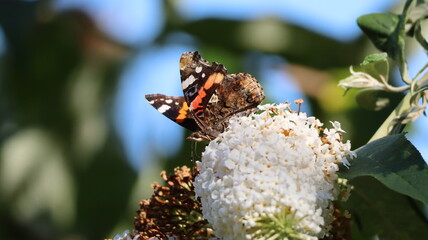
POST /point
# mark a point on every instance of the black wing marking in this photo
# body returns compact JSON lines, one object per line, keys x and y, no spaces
{"x":199,"y":80}
{"x":175,"y":108}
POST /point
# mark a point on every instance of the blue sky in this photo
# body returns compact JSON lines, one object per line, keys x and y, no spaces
{"x":133,"y":22}
{"x":145,"y":132}
{"x":333,"y":18}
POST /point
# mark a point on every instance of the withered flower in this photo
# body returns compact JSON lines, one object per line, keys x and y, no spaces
{"x":172,"y":211}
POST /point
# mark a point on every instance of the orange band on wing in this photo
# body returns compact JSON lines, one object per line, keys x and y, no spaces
{"x":182,"y":113}
{"x":215,"y":78}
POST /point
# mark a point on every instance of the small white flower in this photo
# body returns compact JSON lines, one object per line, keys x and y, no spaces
{"x":275,"y":167}
{"x":336,"y":126}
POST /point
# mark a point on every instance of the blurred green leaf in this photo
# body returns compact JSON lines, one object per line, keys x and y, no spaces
{"x":379,"y":27}
{"x":301,"y":46}
{"x":395,"y":162}
{"x":376,"y":65}
{"x":380,"y":213}
{"x":58,"y":75}
{"x":371,"y":100}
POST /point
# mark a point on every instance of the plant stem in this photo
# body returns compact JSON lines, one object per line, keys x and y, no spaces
{"x":389,"y":124}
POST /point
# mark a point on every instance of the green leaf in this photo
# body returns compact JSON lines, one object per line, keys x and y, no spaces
{"x":380,"y":213}
{"x":376,"y":57}
{"x":386,"y":31}
{"x":371,"y":100}
{"x":379,"y":27}
{"x":371,"y":73}
{"x":395,"y":162}
{"x":376,"y":65}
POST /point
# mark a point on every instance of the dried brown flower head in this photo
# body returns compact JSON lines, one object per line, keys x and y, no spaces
{"x":172,"y":210}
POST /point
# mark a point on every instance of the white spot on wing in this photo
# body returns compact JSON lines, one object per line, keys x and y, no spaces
{"x":186,"y":83}
{"x":151,"y":102}
{"x":168,"y":101}
{"x":203,"y":75}
{"x":198,"y":69}
{"x":163,"y":108}
{"x":214,"y":98}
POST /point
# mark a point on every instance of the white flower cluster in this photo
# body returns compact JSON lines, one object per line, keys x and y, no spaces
{"x":267,"y":163}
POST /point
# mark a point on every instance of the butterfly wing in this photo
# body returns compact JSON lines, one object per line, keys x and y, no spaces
{"x":175,"y":108}
{"x":238,"y":94}
{"x":211,"y":97}
{"x":199,"y":80}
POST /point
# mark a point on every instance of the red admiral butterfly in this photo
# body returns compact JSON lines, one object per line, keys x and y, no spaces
{"x":211,"y":97}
